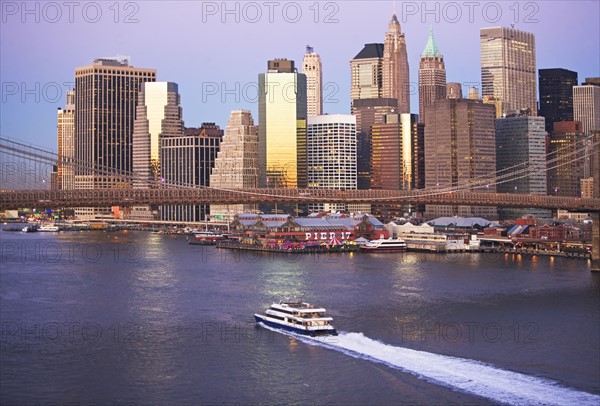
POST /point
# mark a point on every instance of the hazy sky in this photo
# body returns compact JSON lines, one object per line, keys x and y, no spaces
{"x":215,"y":50}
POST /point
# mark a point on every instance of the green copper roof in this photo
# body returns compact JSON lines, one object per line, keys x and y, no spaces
{"x":431,"y":48}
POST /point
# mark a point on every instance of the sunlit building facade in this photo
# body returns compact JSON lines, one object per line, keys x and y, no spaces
{"x":396,"y":79}
{"x":366,"y":74}
{"x":158,"y":115}
{"x":282,"y":126}
{"x":432,"y":75}
{"x":66,"y":144}
{"x":236,"y":165}
{"x":508,"y":68}
{"x":398,"y":158}
{"x":565,"y":159}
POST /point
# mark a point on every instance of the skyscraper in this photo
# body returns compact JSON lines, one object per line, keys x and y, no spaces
{"x":331,"y":155}
{"x":508,"y":70}
{"x":66,"y":144}
{"x":556,"y":95}
{"x":521,"y":145}
{"x":236,"y":165}
{"x":586,"y":105}
{"x":188,"y":160}
{"x":282,"y":125}
{"x":459,"y":149}
{"x":432,"y":75}
{"x":565,"y":163}
{"x":106,"y":99}
{"x":366,"y":73}
{"x":311,"y":67}
{"x":398,"y":158}
{"x":396,"y":83}
{"x":368,"y":112}
{"x":158,"y":115}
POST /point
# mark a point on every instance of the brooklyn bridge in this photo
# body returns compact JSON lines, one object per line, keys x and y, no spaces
{"x":17,"y":176}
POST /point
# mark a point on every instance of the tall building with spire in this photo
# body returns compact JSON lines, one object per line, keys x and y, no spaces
{"x":508,"y":69}
{"x":432,"y":76}
{"x":236,"y":165}
{"x":311,"y":67}
{"x":396,"y":84}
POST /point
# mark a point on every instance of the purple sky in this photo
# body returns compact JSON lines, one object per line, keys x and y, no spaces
{"x":199,"y":45}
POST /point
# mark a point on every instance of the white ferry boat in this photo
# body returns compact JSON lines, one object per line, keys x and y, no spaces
{"x":49,"y":228}
{"x":297,"y":317}
{"x":381,"y":245}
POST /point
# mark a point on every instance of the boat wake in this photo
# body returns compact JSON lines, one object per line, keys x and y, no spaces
{"x":457,"y":373}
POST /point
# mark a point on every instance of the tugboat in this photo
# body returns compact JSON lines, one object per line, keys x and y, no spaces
{"x":297,"y":317}
{"x":383,"y":245}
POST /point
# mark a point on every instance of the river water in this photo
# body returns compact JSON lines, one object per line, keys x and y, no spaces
{"x":140,"y":318}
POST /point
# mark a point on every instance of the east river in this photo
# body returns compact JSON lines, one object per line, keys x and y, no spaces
{"x":140,"y":318}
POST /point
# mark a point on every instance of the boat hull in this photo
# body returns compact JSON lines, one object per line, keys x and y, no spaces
{"x":384,"y":249}
{"x":261,"y":319}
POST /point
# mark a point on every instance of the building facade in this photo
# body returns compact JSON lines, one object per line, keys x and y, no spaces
{"x":521,"y":146}
{"x":556,"y":95}
{"x":187,"y":160}
{"x":236,"y":164}
{"x":158,"y":115}
{"x":331,"y":155}
{"x":432,"y":76}
{"x":586,"y":105}
{"x":106,"y":98}
{"x":565,"y":159}
{"x":282,"y":126}
{"x":366,"y":74}
{"x":66,"y":144}
{"x":454,"y":90}
{"x":396,"y":79}
{"x":398,"y":159}
{"x":508,"y":68}
{"x":460,"y":151}
{"x":312,"y":68}
{"x":368,"y":112}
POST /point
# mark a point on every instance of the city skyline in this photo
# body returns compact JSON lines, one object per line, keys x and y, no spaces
{"x":209,"y":91}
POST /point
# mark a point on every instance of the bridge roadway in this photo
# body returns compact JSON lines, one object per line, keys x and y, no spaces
{"x":136,"y":197}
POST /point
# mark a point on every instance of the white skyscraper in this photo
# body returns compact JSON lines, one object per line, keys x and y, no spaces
{"x":586,"y":105}
{"x":331,"y":155}
{"x":311,"y":67}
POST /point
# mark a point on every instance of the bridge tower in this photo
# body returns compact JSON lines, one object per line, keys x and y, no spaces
{"x":596,"y":214}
